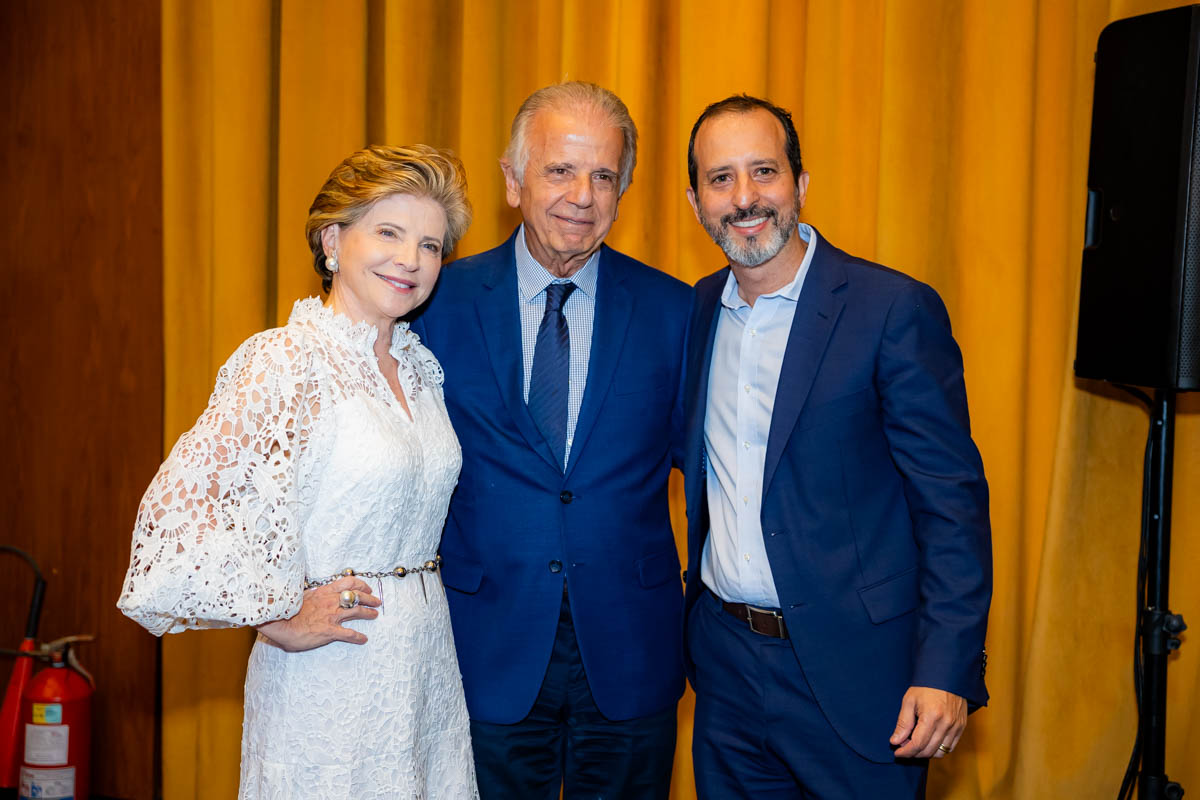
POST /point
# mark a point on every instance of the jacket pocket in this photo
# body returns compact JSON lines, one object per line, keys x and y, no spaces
{"x":657,"y":569}
{"x":891,"y":597}
{"x":830,"y":411}
{"x":461,"y":575}
{"x":638,"y":377}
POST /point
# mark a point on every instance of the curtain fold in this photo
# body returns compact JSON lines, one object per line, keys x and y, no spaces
{"x":946,"y":139}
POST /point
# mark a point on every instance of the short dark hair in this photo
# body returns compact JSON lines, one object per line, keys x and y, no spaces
{"x":741,"y":104}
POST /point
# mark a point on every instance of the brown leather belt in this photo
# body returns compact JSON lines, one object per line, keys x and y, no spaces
{"x":767,"y":623}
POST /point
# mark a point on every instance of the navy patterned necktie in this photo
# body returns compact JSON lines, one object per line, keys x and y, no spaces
{"x":551,"y":374}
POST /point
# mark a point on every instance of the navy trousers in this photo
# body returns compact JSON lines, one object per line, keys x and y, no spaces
{"x":566,"y":742}
{"x":759,"y":732}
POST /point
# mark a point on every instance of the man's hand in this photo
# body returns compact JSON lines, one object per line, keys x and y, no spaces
{"x":320,"y":619}
{"x":929,"y":719}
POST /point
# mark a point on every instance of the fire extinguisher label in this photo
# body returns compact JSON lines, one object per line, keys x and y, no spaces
{"x":47,"y":713}
{"x":46,"y":745}
{"x":47,"y":784}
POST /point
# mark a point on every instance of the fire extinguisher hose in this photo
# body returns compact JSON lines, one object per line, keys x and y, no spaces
{"x":39,"y":590}
{"x":10,"y":726}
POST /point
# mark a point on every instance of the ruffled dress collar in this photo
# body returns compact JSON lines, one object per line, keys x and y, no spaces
{"x":360,"y":336}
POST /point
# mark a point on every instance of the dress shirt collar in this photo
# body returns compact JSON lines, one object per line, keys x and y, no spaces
{"x":533,"y":278}
{"x":791,"y":291}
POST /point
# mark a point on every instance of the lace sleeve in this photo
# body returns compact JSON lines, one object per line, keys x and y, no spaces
{"x":216,"y":542}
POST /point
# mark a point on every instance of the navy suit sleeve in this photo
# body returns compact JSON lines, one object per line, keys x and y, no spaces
{"x":920,"y":377}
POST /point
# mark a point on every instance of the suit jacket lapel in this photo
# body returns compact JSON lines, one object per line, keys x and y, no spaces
{"x":817,"y":310}
{"x":699,"y":364}
{"x":610,"y":323}
{"x":500,"y":322}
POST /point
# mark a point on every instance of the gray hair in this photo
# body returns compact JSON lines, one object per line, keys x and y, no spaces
{"x":573,"y":96}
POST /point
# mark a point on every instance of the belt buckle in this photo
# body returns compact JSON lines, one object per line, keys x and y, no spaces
{"x":778,"y":634}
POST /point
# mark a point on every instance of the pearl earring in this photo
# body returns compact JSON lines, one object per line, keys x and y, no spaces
{"x":331,"y":263}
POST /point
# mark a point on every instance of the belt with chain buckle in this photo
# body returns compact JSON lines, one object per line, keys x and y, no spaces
{"x":432,"y":565}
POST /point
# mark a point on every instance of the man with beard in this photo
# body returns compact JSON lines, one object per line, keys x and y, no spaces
{"x":839,"y":546}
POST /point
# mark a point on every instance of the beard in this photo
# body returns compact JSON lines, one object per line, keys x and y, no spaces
{"x":753,"y":251}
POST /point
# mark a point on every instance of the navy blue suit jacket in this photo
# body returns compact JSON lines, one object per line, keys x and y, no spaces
{"x":875,"y":507}
{"x":518,"y":525}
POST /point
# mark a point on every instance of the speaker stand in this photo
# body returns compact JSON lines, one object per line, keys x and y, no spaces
{"x":1160,"y":628}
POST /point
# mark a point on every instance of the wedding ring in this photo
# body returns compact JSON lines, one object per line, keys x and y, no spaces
{"x":944,"y":749}
{"x":348,"y":599}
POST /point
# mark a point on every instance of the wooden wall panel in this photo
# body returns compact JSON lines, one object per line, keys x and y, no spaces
{"x":81,"y":381}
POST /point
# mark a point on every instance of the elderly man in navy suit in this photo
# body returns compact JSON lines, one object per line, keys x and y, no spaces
{"x":838,"y":538}
{"x":563,"y":362}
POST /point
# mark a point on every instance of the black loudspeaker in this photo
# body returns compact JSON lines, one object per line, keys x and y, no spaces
{"x":1139,"y":302}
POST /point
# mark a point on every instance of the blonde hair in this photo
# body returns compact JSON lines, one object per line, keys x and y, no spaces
{"x":378,"y":171}
{"x":573,"y":96}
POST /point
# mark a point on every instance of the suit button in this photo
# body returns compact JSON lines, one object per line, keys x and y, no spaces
{"x":556,"y":566}
{"x":566,"y":497}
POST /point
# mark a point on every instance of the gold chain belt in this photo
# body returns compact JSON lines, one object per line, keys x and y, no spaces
{"x":432,"y":565}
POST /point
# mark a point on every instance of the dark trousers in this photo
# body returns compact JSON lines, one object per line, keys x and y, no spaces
{"x":566,"y":742}
{"x":759,"y":732}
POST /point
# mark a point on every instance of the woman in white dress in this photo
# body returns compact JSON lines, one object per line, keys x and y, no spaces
{"x":308,"y":501}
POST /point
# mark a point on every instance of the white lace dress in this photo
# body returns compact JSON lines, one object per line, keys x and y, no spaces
{"x":303,"y":464}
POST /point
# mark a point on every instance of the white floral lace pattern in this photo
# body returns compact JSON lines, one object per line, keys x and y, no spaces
{"x":305,"y":463}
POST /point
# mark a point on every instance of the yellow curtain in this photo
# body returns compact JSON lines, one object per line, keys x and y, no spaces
{"x":948,"y":139}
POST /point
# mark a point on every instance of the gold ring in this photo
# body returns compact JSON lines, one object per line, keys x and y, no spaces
{"x":348,"y":599}
{"x":944,"y":749}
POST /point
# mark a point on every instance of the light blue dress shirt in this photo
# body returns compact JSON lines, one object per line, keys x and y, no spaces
{"x":579,"y":310}
{"x":747,"y":356}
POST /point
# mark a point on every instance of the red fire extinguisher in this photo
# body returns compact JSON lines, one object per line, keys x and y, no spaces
{"x":56,"y":717}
